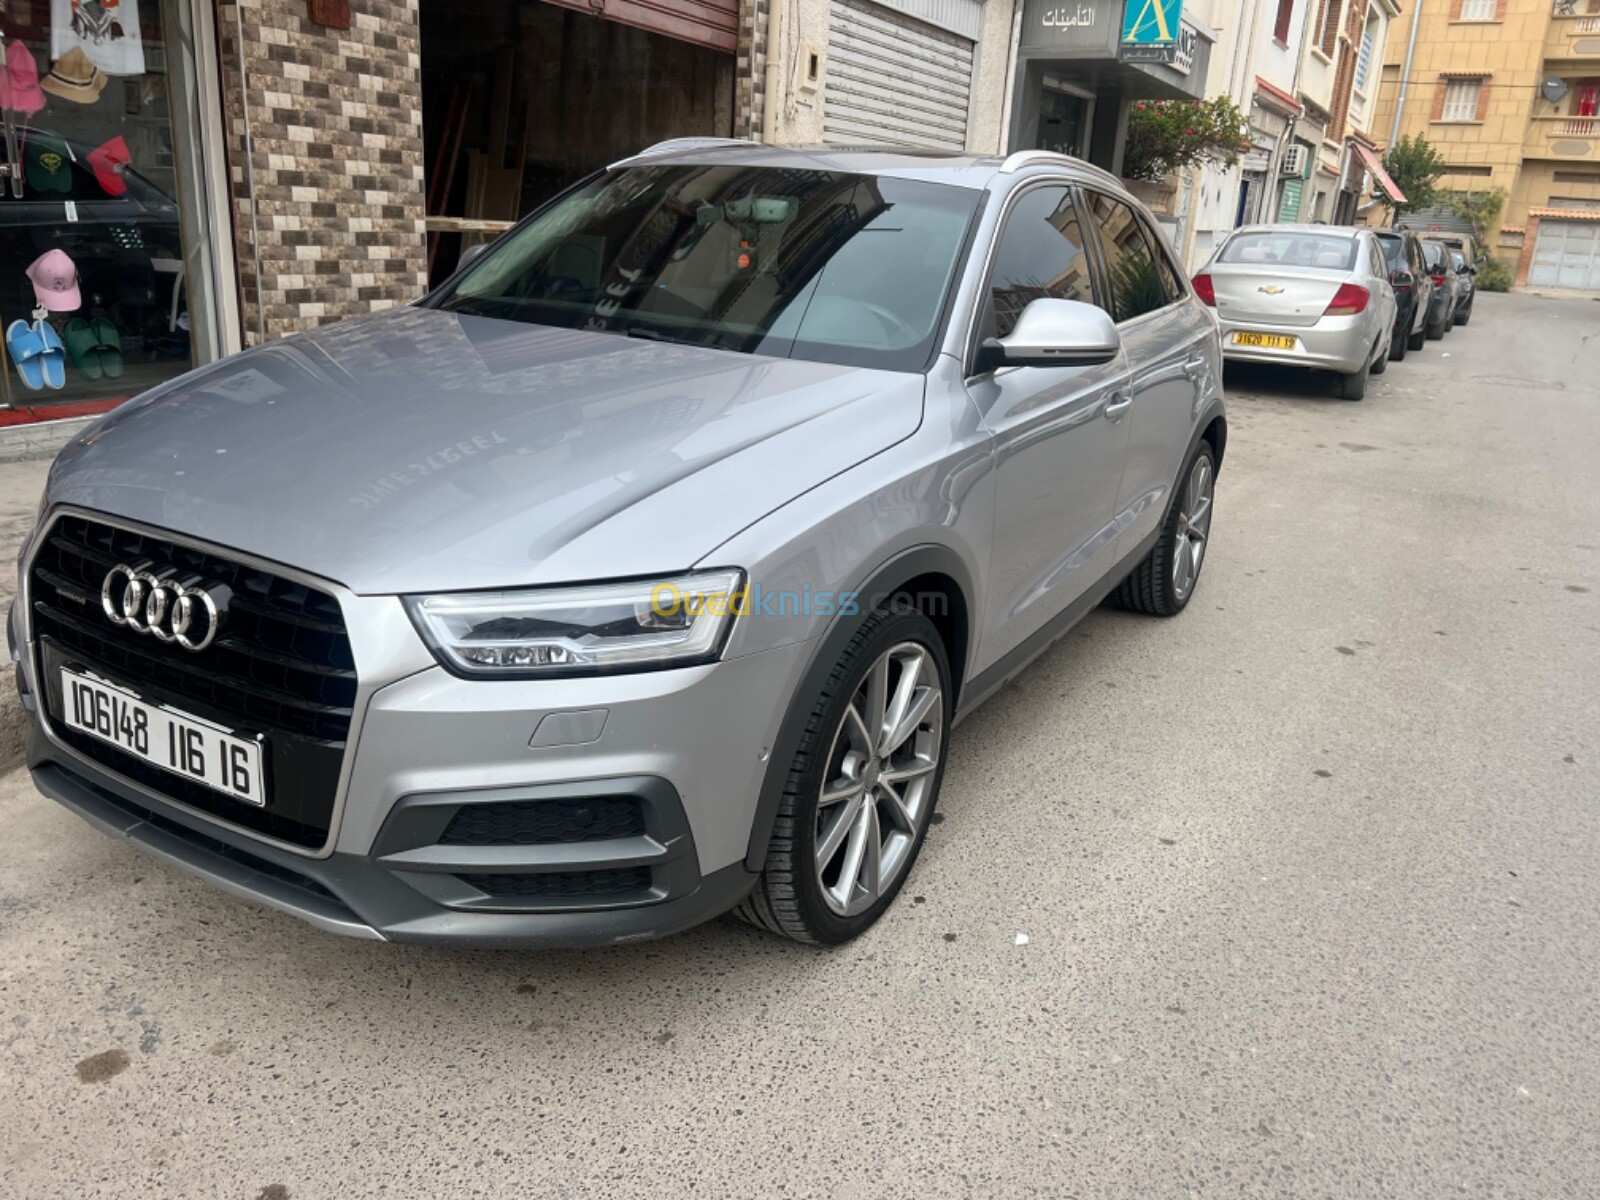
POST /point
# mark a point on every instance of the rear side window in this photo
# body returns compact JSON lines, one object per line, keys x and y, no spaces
{"x":1292,"y":248}
{"x":1394,"y":250}
{"x":1141,"y":280}
{"x":1432,"y":254}
{"x":1041,"y":254}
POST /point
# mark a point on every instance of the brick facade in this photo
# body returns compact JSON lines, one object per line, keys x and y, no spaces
{"x":750,"y":69}
{"x":325,"y":161}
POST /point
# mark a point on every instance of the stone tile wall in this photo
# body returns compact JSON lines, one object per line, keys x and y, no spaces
{"x":324,"y":132}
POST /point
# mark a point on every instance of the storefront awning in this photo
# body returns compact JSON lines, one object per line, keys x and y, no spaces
{"x":1375,"y":165}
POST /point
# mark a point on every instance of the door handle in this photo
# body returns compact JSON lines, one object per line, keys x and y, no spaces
{"x":1196,"y":367}
{"x":1119,"y":403}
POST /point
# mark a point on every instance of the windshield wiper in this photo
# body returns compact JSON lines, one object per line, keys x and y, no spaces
{"x":654,"y":335}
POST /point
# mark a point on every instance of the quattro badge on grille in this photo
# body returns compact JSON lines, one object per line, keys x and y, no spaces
{"x":187,"y":611}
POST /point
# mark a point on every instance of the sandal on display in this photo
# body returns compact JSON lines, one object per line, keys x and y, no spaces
{"x":26,"y":348}
{"x":109,"y":342}
{"x":84,"y":348}
{"x":54,"y":357}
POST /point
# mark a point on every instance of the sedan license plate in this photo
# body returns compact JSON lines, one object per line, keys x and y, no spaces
{"x":164,"y":737}
{"x":1268,"y":341}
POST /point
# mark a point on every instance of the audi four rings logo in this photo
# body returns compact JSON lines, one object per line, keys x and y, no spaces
{"x":172,"y":610}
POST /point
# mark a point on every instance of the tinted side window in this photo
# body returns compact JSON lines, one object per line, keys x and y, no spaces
{"x":1132,"y":261}
{"x":1040,"y":254}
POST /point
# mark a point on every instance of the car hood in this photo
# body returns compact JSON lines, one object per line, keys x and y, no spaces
{"x":421,"y":451}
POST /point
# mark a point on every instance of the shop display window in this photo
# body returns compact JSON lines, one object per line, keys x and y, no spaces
{"x":94,"y":294}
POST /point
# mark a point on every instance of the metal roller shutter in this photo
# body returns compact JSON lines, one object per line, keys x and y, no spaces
{"x":711,"y":23}
{"x":1566,"y":254}
{"x":893,"y":80}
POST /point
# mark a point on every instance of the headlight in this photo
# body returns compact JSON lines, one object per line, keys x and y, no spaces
{"x":640,"y":626}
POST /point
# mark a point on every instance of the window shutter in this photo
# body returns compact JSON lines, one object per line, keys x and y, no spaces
{"x":1483,"y":100}
{"x":1286,"y":16}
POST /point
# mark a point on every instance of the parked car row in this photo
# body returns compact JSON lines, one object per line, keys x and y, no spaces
{"x":1333,"y":298}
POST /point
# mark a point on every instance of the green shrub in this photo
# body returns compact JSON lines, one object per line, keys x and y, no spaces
{"x":1493,"y":276}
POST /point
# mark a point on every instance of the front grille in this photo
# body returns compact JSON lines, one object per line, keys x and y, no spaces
{"x":617,"y":881}
{"x":281,"y":666}
{"x":542,"y":822}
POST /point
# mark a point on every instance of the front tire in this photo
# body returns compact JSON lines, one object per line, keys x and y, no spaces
{"x":1415,"y":340}
{"x":1434,"y":330}
{"x":862,"y":787}
{"x":1398,"y":344}
{"x":1163,"y":583}
{"x":1381,"y":363}
{"x":1462,"y":318}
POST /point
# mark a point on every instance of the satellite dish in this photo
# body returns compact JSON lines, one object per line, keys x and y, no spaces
{"x":1554,"y":88}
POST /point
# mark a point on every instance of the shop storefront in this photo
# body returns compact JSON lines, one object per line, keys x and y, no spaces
{"x":1078,"y":70}
{"x":113,"y":276}
{"x":523,"y":97}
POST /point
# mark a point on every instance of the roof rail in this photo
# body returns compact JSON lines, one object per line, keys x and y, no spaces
{"x":1027,"y":158}
{"x":673,"y":145}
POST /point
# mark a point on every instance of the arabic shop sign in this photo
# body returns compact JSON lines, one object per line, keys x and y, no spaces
{"x":1081,"y":28}
{"x":1068,"y":16}
{"x":1151,"y":32}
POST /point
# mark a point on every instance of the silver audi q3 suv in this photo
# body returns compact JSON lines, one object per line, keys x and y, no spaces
{"x":638,"y":573}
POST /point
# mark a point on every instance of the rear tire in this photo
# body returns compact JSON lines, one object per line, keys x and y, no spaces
{"x":1163,"y":583}
{"x":1398,"y":344}
{"x":896,"y":655}
{"x":1434,"y":330}
{"x":1462,"y":318}
{"x":1353,"y":386}
{"x":1414,"y":341}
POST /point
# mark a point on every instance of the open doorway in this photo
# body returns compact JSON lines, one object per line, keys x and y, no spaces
{"x":523,"y":97}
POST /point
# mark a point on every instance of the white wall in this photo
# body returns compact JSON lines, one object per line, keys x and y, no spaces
{"x":1275,"y":63}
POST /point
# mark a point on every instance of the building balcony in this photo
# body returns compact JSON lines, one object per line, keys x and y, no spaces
{"x":1572,"y":35}
{"x":1563,"y":137}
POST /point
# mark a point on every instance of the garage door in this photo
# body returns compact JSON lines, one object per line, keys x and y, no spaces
{"x":894,"y":80}
{"x":1567,"y":255}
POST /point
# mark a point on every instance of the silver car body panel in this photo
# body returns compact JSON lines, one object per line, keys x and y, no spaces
{"x":421,"y":450}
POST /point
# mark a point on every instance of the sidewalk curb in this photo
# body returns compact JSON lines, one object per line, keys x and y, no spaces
{"x":41,"y":439}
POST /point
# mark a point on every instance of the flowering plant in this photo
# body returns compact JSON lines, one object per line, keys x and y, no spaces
{"x":1168,"y":135}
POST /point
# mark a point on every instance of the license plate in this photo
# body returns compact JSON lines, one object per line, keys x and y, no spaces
{"x":164,"y":737}
{"x":1268,"y":341}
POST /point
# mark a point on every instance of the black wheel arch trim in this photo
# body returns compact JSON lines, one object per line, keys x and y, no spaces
{"x":885,"y":581}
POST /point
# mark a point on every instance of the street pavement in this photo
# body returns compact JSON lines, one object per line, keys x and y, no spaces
{"x":1309,"y":877}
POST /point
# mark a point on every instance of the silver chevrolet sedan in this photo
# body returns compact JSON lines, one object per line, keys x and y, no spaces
{"x":1305,"y":296}
{"x":641,"y":571}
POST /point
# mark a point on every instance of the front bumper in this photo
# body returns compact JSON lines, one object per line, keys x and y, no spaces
{"x":686,"y":750}
{"x":1342,"y":344}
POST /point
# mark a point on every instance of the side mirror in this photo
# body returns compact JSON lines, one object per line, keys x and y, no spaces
{"x":471,"y":253}
{"x":1056,"y":333}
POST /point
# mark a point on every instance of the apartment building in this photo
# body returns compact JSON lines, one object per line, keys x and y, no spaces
{"x":1508,"y":91}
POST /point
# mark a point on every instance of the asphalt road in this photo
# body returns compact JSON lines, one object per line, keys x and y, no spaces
{"x":1310,"y":878}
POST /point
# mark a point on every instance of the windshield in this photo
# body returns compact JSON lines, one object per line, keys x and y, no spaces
{"x":1319,"y":251}
{"x":819,"y":265}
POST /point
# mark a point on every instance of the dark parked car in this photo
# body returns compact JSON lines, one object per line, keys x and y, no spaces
{"x":1413,"y":289}
{"x":1446,"y":289}
{"x":1469,"y":287}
